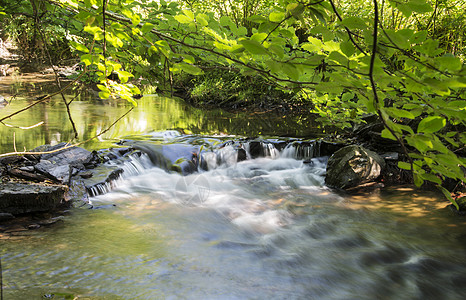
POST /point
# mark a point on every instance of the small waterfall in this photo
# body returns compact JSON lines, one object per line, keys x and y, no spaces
{"x":137,"y":163}
{"x":301,"y":150}
{"x":223,"y":157}
{"x":270,"y":150}
{"x":187,"y":157}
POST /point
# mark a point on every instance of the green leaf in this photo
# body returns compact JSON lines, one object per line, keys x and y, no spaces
{"x":259,"y":37}
{"x":79,"y":47}
{"x":136,"y":19}
{"x":254,"y":47}
{"x":202,"y":19}
{"x":86,"y":59}
{"x":387,"y":134}
{"x":404,"y":165}
{"x":189,"y":14}
{"x":354,"y":23}
{"x":431,"y":177}
{"x":347,"y":48}
{"x":449,"y":63}
{"x":457,"y":104}
{"x":397,"y":38}
{"x":183,"y":19}
{"x":225,"y":21}
{"x":104,"y":95}
{"x":147,"y":27}
{"x":257,"y":19}
{"x":421,"y":142}
{"x":338,"y":57}
{"x":276,"y":16}
{"x":346,"y":97}
{"x":290,"y":70}
{"x":296,"y":9}
{"x":399,"y":113}
{"x":190,"y":69}
{"x":431,"y":124}
{"x":448,"y":196}
{"x":419,"y":6}
{"x":124,"y":75}
{"x":418,"y":181}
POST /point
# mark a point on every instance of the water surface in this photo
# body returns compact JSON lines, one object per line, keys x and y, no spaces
{"x":264,"y":228}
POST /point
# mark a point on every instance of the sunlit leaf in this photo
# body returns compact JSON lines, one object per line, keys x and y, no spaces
{"x":147,"y":27}
{"x":431,"y":124}
{"x":254,"y":47}
{"x":404,"y":165}
{"x":388,"y":135}
{"x":79,"y":47}
{"x":276,"y":16}
{"x":190,"y":69}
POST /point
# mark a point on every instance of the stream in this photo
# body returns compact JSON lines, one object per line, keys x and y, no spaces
{"x":262,"y":228}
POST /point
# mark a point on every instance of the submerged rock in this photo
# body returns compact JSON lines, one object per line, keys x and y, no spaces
{"x":351,"y":166}
{"x":19,"y":198}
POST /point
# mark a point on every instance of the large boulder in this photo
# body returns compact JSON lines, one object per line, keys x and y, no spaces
{"x":351,"y":166}
{"x":19,"y":198}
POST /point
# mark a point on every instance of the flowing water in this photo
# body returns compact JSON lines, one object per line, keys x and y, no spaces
{"x":262,"y":228}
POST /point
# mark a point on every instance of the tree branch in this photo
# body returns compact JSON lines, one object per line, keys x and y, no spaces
{"x":374,"y":86}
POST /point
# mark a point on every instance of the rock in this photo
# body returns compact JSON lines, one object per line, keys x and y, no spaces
{"x":462,"y":206}
{"x":351,"y":166}
{"x":101,"y":182}
{"x":11,"y":160}
{"x":256,"y":149}
{"x":61,"y":165}
{"x":19,"y":198}
{"x":6,"y":216}
{"x":27,"y":175}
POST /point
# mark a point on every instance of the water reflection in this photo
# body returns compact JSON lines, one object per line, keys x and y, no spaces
{"x":92,"y":115}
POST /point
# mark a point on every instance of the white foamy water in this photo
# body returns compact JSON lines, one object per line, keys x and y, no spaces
{"x":248,"y":193}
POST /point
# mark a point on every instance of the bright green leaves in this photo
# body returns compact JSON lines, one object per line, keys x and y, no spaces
{"x":254,"y":47}
{"x":123,"y":75}
{"x":299,"y":48}
{"x":188,"y":68}
{"x":400,"y":38}
{"x":412,"y":6}
{"x":354,"y":23}
{"x":422,"y":143}
{"x":186,"y":18}
{"x":97,"y":32}
{"x":295,"y":9}
{"x":147,"y":27}
{"x":79,"y":47}
{"x":104,"y":91}
{"x":449,"y":63}
{"x":431,"y":124}
{"x":133,"y":17}
{"x":276,"y":16}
